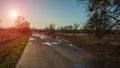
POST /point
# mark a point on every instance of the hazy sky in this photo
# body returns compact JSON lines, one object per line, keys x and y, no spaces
{"x":43,"y":12}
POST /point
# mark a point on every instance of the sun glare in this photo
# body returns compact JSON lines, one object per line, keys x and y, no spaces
{"x":13,"y":13}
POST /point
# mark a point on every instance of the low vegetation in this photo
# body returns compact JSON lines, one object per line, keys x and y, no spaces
{"x":11,"y":51}
{"x":108,"y":47}
{"x":6,"y":36}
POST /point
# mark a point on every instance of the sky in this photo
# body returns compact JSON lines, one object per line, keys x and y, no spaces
{"x":41,"y":13}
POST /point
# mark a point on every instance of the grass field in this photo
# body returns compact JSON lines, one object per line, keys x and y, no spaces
{"x":6,"y":36}
{"x":107,"y":48}
{"x":11,"y":51}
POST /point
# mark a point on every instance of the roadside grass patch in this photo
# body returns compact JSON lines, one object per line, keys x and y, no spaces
{"x":10,"y":52}
{"x":107,"y":48}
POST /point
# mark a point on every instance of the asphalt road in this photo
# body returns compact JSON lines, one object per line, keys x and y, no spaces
{"x":45,"y":52}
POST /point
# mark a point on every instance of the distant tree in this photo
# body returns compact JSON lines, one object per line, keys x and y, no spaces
{"x":69,"y":28}
{"x":22,"y":25}
{"x":105,"y":16}
{"x":75,"y":27}
{"x":66,"y":29}
{"x":50,"y":29}
{"x":60,"y":29}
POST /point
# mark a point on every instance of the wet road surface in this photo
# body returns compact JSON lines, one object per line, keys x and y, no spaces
{"x":45,"y":52}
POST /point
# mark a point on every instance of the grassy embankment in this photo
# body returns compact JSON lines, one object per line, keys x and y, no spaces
{"x":6,"y":36}
{"x":107,"y":48}
{"x":11,"y":51}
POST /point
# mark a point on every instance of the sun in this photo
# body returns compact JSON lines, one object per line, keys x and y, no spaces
{"x":13,"y":13}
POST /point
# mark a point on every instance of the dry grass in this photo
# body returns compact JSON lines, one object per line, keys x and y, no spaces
{"x":107,"y":47}
{"x":10,"y":51}
{"x":7,"y":36}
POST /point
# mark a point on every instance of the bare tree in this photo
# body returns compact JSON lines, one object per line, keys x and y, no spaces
{"x":22,"y":25}
{"x":75,"y":27}
{"x":50,"y":29}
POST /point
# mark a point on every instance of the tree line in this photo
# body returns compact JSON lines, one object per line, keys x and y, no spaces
{"x":104,"y":19}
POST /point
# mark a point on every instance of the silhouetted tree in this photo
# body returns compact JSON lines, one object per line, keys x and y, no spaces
{"x":105,"y":15}
{"x":75,"y":27}
{"x":50,"y":29}
{"x":66,"y":29}
{"x":22,"y":25}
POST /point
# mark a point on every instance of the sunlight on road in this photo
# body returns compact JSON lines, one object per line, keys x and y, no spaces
{"x":54,"y":43}
{"x":31,"y":38}
{"x":58,"y":40}
{"x":47,"y":43}
{"x":35,"y":34}
{"x":29,"y":43}
{"x":70,"y":45}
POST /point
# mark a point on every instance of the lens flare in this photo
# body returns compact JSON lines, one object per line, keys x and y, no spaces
{"x":13,"y":13}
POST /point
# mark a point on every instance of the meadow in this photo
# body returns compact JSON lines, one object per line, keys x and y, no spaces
{"x":11,"y":47}
{"x":6,"y":36}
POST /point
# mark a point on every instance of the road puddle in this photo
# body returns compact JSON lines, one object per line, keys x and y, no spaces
{"x":31,"y":38}
{"x":41,"y":37}
{"x":71,"y":45}
{"x":47,"y":43}
{"x":58,"y":40}
{"x":36,"y":35}
{"x":54,"y":43}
